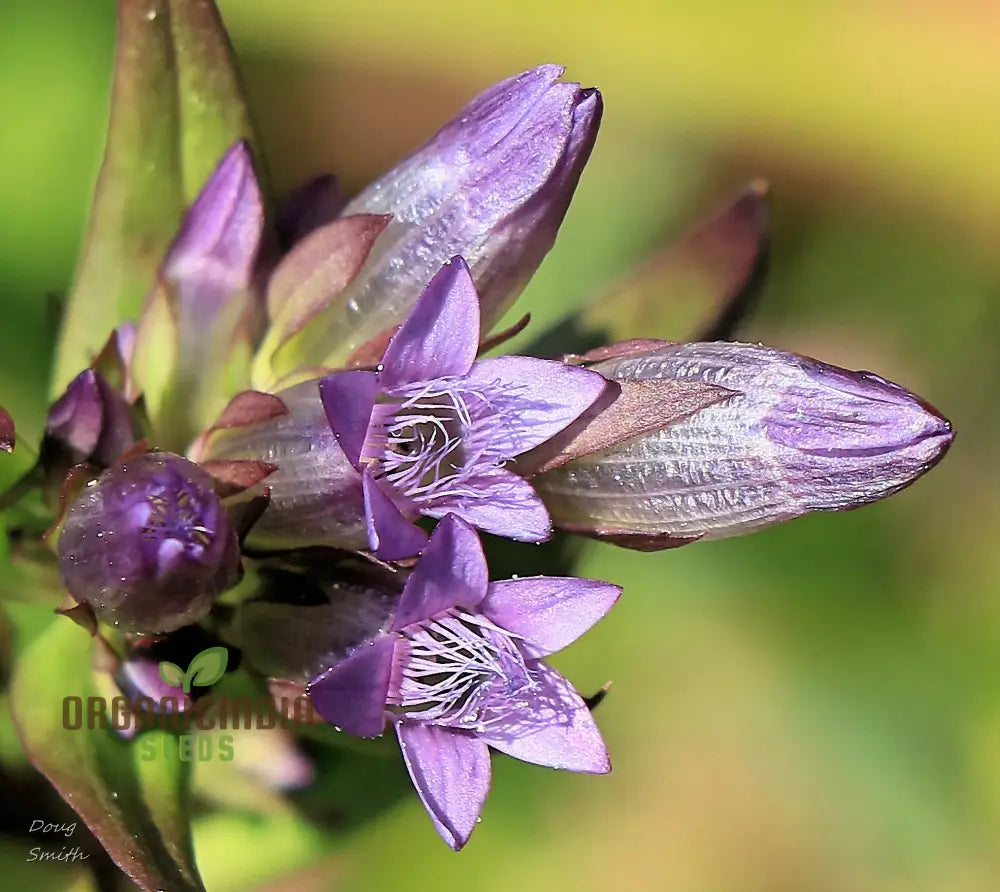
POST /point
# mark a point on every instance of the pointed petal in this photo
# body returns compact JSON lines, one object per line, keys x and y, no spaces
{"x":213,"y":254}
{"x":391,"y":535}
{"x":542,"y":397}
{"x":440,"y":335}
{"x":451,"y":771}
{"x":351,"y":695}
{"x":193,"y":339}
{"x":505,"y":505}
{"x":348,"y":399}
{"x":451,"y":572}
{"x":559,"y":731}
{"x":548,"y":612}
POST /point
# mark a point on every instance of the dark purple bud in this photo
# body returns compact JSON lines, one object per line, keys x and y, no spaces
{"x":796,"y":435}
{"x":148,"y":545}
{"x":91,"y":421}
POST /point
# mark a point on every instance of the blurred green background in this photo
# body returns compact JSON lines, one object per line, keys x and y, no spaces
{"x":816,"y":707}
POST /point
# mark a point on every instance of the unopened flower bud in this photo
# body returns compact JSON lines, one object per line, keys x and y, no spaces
{"x":91,"y":421}
{"x":795,"y":435}
{"x":148,"y":545}
{"x":492,"y":185}
{"x":196,"y":330}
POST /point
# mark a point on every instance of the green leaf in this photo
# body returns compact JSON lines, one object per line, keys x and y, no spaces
{"x":698,"y":287}
{"x":136,"y":808}
{"x":172,"y":674}
{"x":208,"y":667}
{"x":176,"y":106}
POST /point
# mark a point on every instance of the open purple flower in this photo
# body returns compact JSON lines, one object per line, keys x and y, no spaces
{"x":431,"y":428}
{"x":458,"y":670}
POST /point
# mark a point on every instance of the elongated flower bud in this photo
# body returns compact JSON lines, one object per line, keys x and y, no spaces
{"x":493,"y":185}
{"x":195,"y":334}
{"x":796,"y":435}
{"x":148,"y":545}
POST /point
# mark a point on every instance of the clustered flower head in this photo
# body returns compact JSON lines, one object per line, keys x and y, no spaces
{"x":303,"y":408}
{"x":458,"y":669}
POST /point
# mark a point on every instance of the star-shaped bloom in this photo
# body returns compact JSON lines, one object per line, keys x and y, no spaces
{"x":432,"y":428}
{"x":459,"y":670}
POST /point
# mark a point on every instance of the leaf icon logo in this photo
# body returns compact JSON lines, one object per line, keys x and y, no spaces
{"x":205,"y":670}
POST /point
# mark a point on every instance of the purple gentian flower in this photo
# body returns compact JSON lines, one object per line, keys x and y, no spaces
{"x":148,"y":545}
{"x":431,"y":428}
{"x":459,"y":670}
